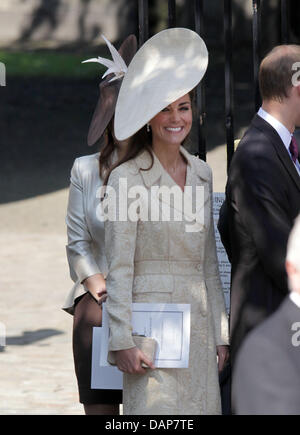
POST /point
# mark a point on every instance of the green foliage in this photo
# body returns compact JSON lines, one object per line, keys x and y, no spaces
{"x":50,"y":64}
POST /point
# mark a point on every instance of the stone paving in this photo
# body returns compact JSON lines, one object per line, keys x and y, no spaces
{"x":37,"y":375}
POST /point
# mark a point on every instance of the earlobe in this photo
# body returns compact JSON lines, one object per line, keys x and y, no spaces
{"x":290,"y":268}
{"x":297,"y":89}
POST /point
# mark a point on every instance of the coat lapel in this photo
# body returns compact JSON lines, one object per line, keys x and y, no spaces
{"x":281,"y":151}
{"x":187,"y":204}
{"x":197,"y":191}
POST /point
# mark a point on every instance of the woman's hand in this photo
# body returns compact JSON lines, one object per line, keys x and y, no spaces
{"x":223,"y":356}
{"x":96,"y":286}
{"x":130,"y":361}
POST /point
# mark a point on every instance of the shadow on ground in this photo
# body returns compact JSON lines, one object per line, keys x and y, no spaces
{"x":30,"y":337}
{"x":43,"y":127}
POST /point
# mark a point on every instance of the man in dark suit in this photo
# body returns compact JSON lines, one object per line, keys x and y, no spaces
{"x":266,"y":377}
{"x":263,"y":197}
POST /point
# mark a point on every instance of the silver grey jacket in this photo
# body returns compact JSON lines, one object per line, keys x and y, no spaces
{"x":85,"y":249}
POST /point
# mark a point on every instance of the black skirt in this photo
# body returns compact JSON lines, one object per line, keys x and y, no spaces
{"x":88,"y":314}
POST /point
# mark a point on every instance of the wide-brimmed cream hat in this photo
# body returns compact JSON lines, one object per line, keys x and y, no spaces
{"x":166,"y":67}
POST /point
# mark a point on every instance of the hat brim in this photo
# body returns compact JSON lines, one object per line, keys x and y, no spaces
{"x":166,"y":67}
{"x":108,"y":94}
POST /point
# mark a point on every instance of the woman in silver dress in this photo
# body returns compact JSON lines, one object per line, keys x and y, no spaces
{"x":85,"y":249}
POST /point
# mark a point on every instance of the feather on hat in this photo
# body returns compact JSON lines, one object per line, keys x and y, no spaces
{"x":110,"y":86}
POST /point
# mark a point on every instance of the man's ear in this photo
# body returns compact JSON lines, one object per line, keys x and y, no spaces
{"x":290,"y":268}
{"x":297,"y":89}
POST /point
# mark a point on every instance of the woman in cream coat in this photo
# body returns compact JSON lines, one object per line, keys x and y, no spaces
{"x":162,"y":261}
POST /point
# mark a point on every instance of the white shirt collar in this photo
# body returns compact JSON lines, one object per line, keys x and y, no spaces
{"x":283,"y":132}
{"x":295,"y":297}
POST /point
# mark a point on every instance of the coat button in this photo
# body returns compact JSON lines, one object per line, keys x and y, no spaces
{"x":199,"y":267}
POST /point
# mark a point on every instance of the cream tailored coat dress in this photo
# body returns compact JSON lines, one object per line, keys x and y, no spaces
{"x":85,"y":249}
{"x":161,"y":262}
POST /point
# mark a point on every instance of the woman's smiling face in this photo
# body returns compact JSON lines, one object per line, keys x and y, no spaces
{"x":173,"y":124}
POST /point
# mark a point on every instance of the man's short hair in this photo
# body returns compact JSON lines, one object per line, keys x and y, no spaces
{"x":276,"y":72}
{"x":293,"y":247}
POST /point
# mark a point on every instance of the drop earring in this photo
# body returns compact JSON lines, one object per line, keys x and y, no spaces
{"x":148,"y":128}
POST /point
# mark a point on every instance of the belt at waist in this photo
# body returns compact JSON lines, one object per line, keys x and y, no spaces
{"x":165,"y":267}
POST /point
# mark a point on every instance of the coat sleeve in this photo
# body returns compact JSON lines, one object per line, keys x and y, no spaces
{"x":79,"y":253}
{"x":223,"y":227}
{"x":213,"y":282}
{"x":262,"y":203}
{"x":120,"y":242}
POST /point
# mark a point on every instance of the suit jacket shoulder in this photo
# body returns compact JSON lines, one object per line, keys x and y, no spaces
{"x":266,"y":377}
{"x":255,"y":150}
{"x":261,"y":148}
{"x":87,"y":163}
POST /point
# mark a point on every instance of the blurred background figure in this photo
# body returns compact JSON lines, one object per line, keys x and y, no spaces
{"x":266,"y":377}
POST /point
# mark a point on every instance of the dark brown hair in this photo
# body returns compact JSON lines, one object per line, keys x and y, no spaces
{"x":276,"y":72}
{"x":107,"y":151}
{"x":140,"y":141}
